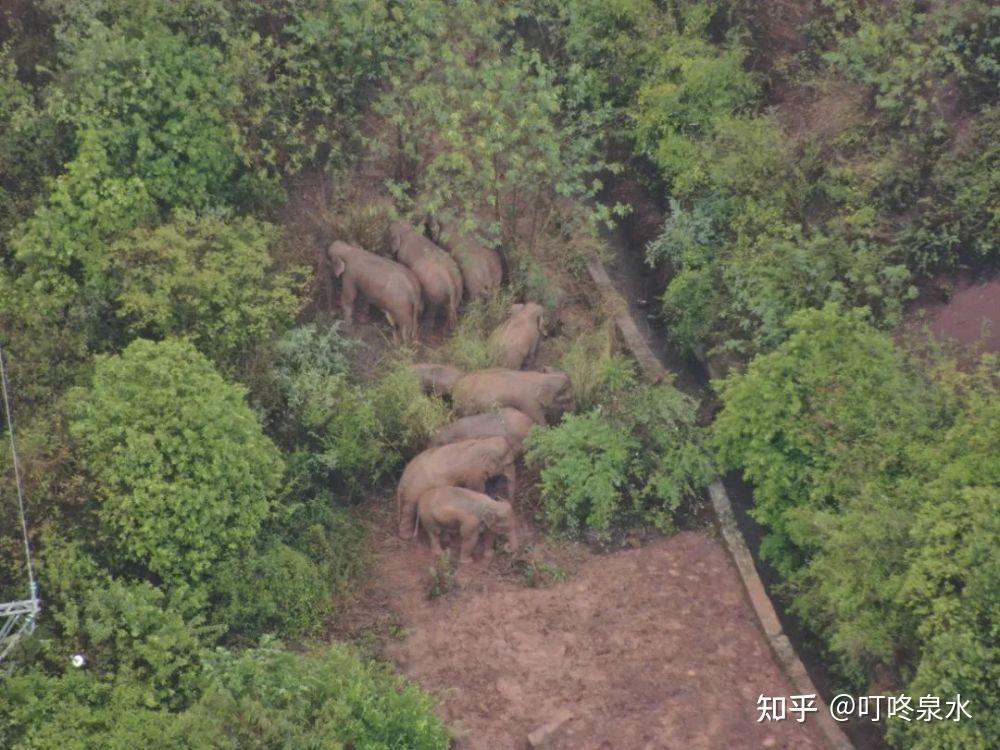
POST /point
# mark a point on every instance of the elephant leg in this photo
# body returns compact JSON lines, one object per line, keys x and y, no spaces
{"x":470,"y":535}
{"x":488,"y":538}
{"x":435,"y":534}
{"x":510,"y":475}
{"x":348,"y":296}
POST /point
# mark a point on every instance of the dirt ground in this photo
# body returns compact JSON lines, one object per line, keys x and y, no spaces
{"x":970,"y":315}
{"x":653,"y":647}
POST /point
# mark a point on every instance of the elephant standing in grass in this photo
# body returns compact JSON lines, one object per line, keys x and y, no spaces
{"x":389,"y":286}
{"x":437,"y":380}
{"x":540,"y":395}
{"x":469,"y":464}
{"x":482,"y":268}
{"x":473,"y":514}
{"x":517,"y":338}
{"x":439,"y":275}
{"x":509,"y":423}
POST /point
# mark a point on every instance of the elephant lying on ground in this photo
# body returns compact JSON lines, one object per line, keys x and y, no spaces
{"x":537,"y":394}
{"x":509,"y":423}
{"x":482,"y":268}
{"x":474,"y":514}
{"x":439,"y":276}
{"x":437,"y":380}
{"x":390,"y":286}
{"x":468,"y":463}
{"x":517,"y":338}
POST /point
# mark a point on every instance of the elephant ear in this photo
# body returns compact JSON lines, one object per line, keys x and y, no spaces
{"x":338,"y":265}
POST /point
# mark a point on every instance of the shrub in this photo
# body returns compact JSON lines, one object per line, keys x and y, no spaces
{"x":209,"y":278}
{"x":816,"y":418}
{"x":278,"y":591}
{"x":267,"y":698}
{"x":79,"y":711}
{"x":598,"y":373}
{"x":469,"y":347}
{"x":62,"y":246}
{"x":157,"y":103}
{"x":183,"y":474}
{"x":637,"y":461}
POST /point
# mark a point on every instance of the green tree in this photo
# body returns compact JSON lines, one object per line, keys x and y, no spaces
{"x":810,"y":423}
{"x":183,"y":475}
{"x":209,"y":278}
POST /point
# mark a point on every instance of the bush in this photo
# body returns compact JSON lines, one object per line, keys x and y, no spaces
{"x":157,"y":104}
{"x":183,"y":474}
{"x":278,"y":591}
{"x":259,"y":699}
{"x":209,"y":278}
{"x":636,"y":462}
{"x":598,"y":373}
{"x":469,"y":347}
{"x":78,"y":711}
{"x":268,"y":698}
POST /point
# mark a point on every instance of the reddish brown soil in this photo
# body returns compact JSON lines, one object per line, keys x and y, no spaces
{"x":654,"y":647}
{"x":969,"y":316}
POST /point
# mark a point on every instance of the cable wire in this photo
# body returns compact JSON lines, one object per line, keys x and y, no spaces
{"x":17,"y":478}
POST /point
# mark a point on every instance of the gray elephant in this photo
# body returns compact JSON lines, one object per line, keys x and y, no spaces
{"x":517,"y":338}
{"x":437,"y":380}
{"x":473,"y":514}
{"x":469,"y":464}
{"x":482,"y":268}
{"x":390,"y":286}
{"x":509,"y":423}
{"x":540,"y":395}
{"x":439,"y":275}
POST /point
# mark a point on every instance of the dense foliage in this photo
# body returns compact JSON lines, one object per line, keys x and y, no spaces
{"x":637,"y":456}
{"x":878,"y":483}
{"x":195,"y":433}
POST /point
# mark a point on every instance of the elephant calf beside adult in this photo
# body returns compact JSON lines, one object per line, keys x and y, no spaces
{"x":388,"y":285}
{"x":439,"y":275}
{"x":473,"y":514}
{"x":468,"y":463}
{"x":540,"y":395}
{"x":482,"y":268}
{"x":517,"y":338}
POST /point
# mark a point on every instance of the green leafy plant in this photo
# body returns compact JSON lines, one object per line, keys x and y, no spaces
{"x":209,"y":278}
{"x":637,"y":461}
{"x":182,"y":472}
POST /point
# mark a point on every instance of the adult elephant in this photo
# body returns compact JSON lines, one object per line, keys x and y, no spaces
{"x":482,"y":268}
{"x":540,"y":395}
{"x":388,"y":285}
{"x":439,"y":275}
{"x":517,"y":338}
{"x":473,"y":514}
{"x":469,"y":464}
{"x":509,"y":423}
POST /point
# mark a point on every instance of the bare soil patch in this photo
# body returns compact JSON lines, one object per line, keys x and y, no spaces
{"x":968,"y":315}
{"x":654,"y":647}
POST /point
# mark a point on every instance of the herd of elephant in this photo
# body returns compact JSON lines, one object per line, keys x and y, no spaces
{"x":443,"y":489}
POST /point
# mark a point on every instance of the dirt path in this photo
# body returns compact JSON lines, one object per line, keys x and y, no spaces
{"x":654,"y":647}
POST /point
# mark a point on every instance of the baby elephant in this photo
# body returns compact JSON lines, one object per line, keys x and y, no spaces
{"x":517,"y":339}
{"x":506,"y":422}
{"x":436,"y":380}
{"x":474,"y":514}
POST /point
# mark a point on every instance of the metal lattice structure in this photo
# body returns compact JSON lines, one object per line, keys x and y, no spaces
{"x":17,"y":618}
